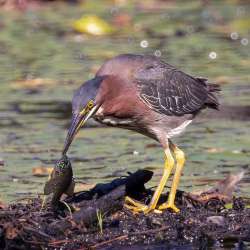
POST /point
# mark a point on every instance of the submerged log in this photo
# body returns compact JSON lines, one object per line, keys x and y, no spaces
{"x":201,"y":219}
{"x":134,"y":183}
{"x":87,"y":214}
{"x":103,"y":199}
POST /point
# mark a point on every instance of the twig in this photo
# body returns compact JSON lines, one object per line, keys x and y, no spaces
{"x":7,"y":213}
{"x":123,"y":237}
{"x":34,"y":242}
{"x":39,"y":233}
{"x":69,"y":209}
{"x":87,"y":215}
{"x":21,"y":199}
{"x":58,"y":242}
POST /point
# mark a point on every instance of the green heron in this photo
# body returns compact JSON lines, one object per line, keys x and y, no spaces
{"x":147,"y":95}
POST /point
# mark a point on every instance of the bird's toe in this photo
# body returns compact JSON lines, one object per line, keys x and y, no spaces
{"x":134,"y":206}
{"x":168,"y":205}
{"x":137,"y":207}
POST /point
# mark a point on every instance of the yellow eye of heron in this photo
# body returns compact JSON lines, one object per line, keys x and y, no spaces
{"x":90,"y":104}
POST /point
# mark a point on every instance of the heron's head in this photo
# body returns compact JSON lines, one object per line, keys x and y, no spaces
{"x":84,"y":107}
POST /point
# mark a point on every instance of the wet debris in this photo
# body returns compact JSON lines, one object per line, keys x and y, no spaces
{"x":98,"y":219}
{"x":222,"y":191}
{"x":218,"y":220}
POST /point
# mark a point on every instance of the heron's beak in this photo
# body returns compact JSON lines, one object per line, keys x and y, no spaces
{"x":77,"y":122}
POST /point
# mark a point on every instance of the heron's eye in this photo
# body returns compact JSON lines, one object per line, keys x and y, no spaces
{"x":87,"y":108}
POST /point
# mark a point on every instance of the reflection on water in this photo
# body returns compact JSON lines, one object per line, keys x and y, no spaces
{"x":203,"y":40}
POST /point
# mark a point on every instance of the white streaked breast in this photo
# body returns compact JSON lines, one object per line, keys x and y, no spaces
{"x":178,"y":130}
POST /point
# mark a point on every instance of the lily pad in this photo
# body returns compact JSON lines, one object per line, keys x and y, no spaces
{"x":92,"y":25}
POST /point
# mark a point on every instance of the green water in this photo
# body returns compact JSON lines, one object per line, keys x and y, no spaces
{"x":41,"y":44}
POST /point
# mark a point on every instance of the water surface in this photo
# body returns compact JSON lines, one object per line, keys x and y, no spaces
{"x":40,"y":44}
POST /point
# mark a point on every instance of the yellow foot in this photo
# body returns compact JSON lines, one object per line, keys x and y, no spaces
{"x":136,"y":206}
{"x":169,"y":206}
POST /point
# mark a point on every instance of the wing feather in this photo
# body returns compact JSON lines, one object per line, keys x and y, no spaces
{"x":171,"y":92}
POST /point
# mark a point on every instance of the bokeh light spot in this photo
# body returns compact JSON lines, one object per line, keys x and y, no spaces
{"x":144,"y":43}
{"x":212,"y":55}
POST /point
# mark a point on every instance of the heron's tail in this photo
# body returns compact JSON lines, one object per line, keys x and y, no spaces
{"x":212,"y":99}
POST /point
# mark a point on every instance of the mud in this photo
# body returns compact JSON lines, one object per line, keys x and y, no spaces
{"x":205,"y":220}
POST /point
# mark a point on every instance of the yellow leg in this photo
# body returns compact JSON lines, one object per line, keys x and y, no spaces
{"x":136,"y":206}
{"x":180,"y":160}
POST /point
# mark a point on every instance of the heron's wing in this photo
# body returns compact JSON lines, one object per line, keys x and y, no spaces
{"x":169,"y":91}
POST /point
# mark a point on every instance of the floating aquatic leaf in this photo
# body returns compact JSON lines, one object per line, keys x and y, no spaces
{"x":41,"y":171}
{"x":222,"y":190}
{"x":223,"y":80}
{"x":1,"y":162}
{"x":122,"y":20}
{"x":245,"y":62}
{"x":215,"y":150}
{"x":83,"y":186}
{"x":235,"y":28}
{"x":92,"y":25}
{"x":32,"y":83}
{"x":229,"y":205}
{"x":241,"y":25}
{"x":2,"y":205}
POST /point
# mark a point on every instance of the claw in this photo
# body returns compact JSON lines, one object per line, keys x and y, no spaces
{"x":172,"y":206}
{"x":136,"y":206}
{"x":133,"y":202}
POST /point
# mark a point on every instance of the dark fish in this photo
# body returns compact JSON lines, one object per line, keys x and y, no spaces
{"x":61,"y":181}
